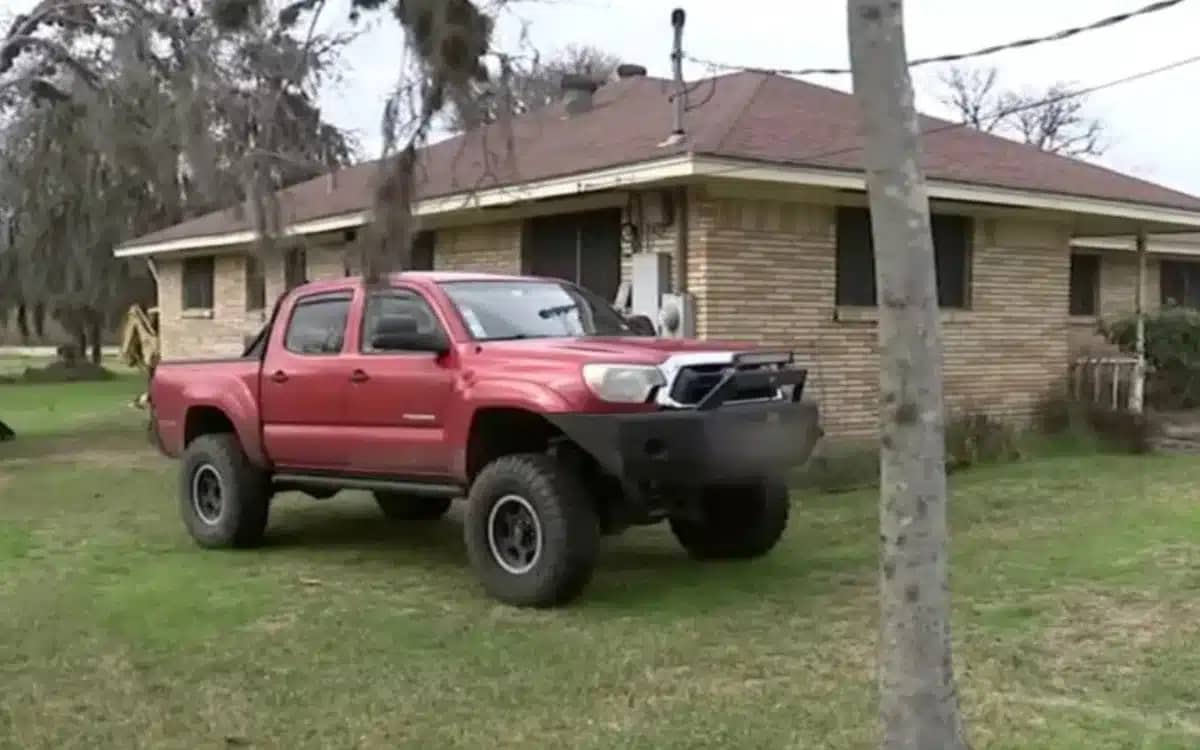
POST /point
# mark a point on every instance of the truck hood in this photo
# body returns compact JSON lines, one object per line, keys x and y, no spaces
{"x":630,"y":349}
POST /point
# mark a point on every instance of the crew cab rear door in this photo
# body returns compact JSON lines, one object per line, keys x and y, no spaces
{"x":304,"y":382}
{"x":398,"y":399}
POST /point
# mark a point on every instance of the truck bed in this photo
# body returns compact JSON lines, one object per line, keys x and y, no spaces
{"x":190,"y":385}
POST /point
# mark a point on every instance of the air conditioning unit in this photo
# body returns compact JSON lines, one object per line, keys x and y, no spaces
{"x":677,"y":316}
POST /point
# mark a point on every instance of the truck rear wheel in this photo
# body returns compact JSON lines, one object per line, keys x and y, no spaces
{"x":531,"y":531}
{"x":400,"y":507}
{"x":738,"y":523}
{"x":224,"y":499}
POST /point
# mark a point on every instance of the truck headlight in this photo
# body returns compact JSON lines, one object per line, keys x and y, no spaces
{"x":624,"y":384}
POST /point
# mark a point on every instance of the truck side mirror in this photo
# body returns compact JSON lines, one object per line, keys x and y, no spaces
{"x":641,"y":325}
{"x":401,"y":333}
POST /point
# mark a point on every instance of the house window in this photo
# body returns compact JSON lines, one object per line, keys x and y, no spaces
{"x":422,"y":252}
{"x":1085,"y":284}
{"x":421,"y":260}
{"x":198,"y":283}
{"x":1179,"y":283}
{"x":295,"y":268}
{"x":856,"y":258}
{"x":256,"y":285}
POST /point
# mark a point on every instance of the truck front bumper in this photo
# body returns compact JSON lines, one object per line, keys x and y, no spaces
{"x":692,"y":448}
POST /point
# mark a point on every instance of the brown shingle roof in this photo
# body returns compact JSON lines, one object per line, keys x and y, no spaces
{"x":752,"y":116}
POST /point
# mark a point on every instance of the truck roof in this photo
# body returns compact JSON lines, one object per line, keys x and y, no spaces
{"x":429,"y":277}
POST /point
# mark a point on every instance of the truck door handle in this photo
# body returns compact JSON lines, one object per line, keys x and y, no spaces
{"x":279,"y":377}
{"x":358,"y":376}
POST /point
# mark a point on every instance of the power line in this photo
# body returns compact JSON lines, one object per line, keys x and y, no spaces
{"x":954,"y":57}
{"x":809,"y":158}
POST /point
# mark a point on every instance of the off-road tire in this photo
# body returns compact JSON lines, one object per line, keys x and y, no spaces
{"x":738,"y":523}
{"x":569,"y":530}
{"x":401,"y":507}
{"x":246,"y":489}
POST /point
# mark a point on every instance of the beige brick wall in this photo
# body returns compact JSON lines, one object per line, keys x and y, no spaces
{"x":765,"y":271}
{"x":219,"y":332}
{"x":494,"y":247}
{"x":222,"y":331}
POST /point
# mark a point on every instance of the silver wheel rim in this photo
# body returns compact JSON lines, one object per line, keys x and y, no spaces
{"x":514,"y":534}
{"x":208,"y":494}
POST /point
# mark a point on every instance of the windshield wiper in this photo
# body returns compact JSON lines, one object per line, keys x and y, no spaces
{"x":554,"y":312}
{"x":514,"y":337}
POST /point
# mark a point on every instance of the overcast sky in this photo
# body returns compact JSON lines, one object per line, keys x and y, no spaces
{"x":1151,"y":123}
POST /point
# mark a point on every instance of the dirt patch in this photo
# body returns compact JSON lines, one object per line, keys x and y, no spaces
{"x":1099,"y":626}
{"x":101,"y":458}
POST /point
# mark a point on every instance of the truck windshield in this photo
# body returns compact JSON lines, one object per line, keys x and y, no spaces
{"x":499,"y":310}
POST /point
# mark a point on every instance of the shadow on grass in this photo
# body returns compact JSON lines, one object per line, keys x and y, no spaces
{"x":642,"y":572}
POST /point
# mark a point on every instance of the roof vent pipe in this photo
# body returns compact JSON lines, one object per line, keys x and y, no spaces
{"x":577,"y":93}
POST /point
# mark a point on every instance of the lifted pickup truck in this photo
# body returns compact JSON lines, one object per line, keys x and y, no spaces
{"x":531,"y":397}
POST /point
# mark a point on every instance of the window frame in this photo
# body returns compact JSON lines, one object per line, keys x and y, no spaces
{"x":395,"y":291}
{"x":1093,"y":258}
{"x":1189,"y":267}
{"x":185,"y":286}
{"x":315,"y":299}
{"x":846,"y":213}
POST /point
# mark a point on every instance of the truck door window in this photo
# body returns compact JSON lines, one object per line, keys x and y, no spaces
{"x":318,"y":325}
{"x":392,"y":303}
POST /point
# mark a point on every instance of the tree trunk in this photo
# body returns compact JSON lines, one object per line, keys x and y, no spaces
{"x":81,"y":341}
{"x":918,"y":699}
{"x":94,"y":333}
{"x":23,"y":323}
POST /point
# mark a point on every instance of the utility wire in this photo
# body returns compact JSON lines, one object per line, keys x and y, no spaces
{"x":809,"y":158}
{"x":954,"y":57}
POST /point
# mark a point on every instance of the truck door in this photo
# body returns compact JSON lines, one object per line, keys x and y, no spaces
{"x":398,"y":399}
{"x":304,"y":383}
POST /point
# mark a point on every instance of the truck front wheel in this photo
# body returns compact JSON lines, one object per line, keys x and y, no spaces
{"x":531,"y":531}
{"x":224,"y":499}
{"x":736,"y":523}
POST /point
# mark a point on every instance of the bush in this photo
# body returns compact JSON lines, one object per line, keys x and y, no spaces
{"x":1172,"y":354}
{"x":976,"y":438}
{"x":1091,"y":426}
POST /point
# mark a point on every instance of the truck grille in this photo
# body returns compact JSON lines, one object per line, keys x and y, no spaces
{"x":694,"y":382}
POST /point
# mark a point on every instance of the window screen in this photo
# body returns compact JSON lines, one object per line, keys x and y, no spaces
{"x":856,"y":258}
{"x":256,"y":284}
{"x":318,"y":325}
{"x":295,"y":268}
{"x":1085,"y":284}
{"x":1180,"y":283}
{"x":198,"y":283}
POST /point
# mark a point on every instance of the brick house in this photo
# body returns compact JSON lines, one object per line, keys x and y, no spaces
{"x":761,"y":208}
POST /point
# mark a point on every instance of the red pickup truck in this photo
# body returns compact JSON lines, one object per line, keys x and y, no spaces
{"x":533,"y":398}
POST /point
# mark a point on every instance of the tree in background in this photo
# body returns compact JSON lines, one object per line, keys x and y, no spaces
{"x":119,"y":117}
{"x":1048,"y":120}
{"x":531,"y":86}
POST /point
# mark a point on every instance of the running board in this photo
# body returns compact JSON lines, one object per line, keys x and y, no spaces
{"x":423,"y":489}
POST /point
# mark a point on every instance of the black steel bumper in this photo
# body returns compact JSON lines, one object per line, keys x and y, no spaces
{"x":696,"y":447}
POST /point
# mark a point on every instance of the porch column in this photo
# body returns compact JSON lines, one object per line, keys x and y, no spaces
{"x":1137,"y":394}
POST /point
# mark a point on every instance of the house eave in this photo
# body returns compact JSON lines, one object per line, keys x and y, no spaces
{"x":689,"y":167}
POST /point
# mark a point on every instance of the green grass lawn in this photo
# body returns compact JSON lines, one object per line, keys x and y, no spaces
{"x":1077,"y":620}
{"x":64,"y":408}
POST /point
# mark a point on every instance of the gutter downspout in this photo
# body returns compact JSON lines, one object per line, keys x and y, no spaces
{"x":681,"y":239}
